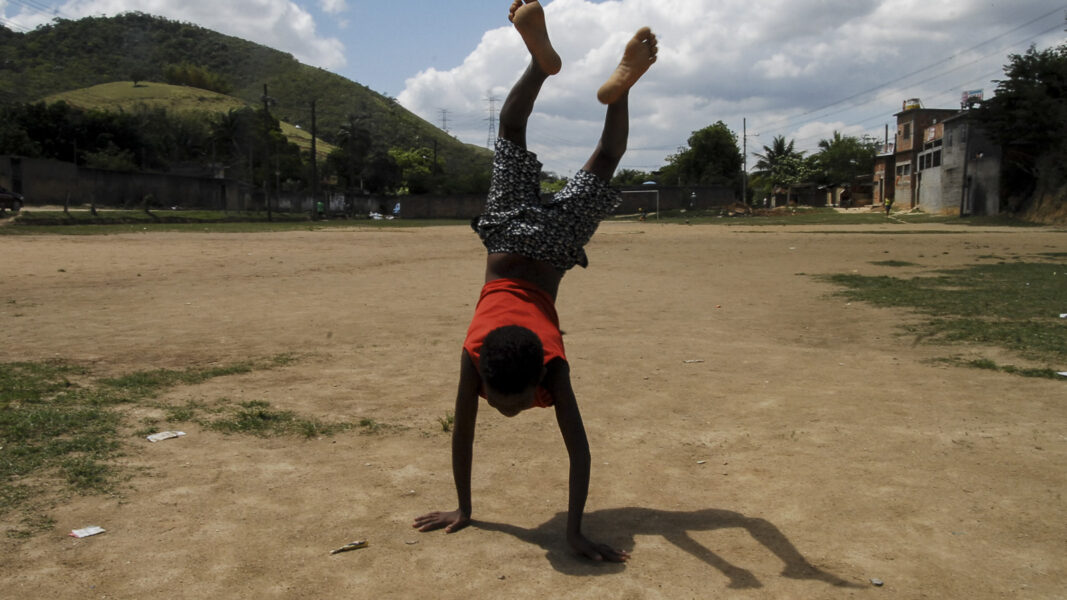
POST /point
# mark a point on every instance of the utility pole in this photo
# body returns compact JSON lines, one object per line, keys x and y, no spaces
{"x":314,"y":159}
{"x":266,"y":159}
{"x":744,"y":161}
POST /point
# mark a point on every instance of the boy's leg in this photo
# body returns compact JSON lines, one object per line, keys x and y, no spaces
{"x":529,"y":20}
{"x":519,"y":104}
{"x":612,"y":143}
{"x":639,"y":55}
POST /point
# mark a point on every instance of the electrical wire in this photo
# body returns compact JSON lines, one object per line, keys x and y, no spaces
{"x":796,"y":121}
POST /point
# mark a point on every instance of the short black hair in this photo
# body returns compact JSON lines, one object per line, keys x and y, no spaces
{"x":511,"y":359}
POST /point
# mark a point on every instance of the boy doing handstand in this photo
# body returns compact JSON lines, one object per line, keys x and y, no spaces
{"x":513,"y":354}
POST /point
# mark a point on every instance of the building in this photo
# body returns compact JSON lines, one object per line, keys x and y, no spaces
{"x":940,"y":162}
{"x":970,"y":169}
{"x":913,"y":123}
{"x":884,"y":174}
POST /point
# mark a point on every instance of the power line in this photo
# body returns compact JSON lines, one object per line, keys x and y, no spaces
{"x":13,"y":25}
{"x":799,"y":119}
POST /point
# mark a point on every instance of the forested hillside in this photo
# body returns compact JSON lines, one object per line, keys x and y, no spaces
{"x":68,"y":55}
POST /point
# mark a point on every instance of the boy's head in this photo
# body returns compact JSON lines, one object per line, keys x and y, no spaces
{"x":511,"y":365}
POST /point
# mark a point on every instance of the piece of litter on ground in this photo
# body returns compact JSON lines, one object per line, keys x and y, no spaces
{"x":87,"y":531}
{"x":694,"y":360}
{"x":411,"y":542}
{"x":1063,"y":315}
{"x":700,"y":462}
{"x":1062,"y":373}
{"x":350,"y":546}
{"x":877,"y":582}
{"x":164,"y":435}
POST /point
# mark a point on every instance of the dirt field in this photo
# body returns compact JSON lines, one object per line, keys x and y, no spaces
{"x":810,"y":449}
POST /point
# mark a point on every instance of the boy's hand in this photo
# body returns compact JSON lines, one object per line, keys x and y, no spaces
{"x":594,"y":551}
{"x":452,"y":521}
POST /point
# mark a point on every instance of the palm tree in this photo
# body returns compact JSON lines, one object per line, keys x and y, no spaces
{"x":774,"y":154}
{"x":782,"y":165}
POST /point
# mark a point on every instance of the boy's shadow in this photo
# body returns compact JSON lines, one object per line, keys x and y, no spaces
{"x":675,"y":527}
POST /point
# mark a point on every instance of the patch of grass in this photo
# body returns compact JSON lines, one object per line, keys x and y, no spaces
{"x":447,"y":421}
{"x":986,"y":364}
{"x":806,"y":215}
{"x":108,"y":222}
{"x":257,"y":418}
{"x":59,"y":425}
{"x":370,"y":425}
{"x":51,"y":427}
{"x":136,"y":386}
{"x":893,"y":263}
{"x":1014,"y":306}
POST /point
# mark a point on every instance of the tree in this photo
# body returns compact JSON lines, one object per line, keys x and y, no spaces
{"x":630,"y":177}
{"x":712,"y":158}
{"x":352,"y":156}
{"x":781,"y":165}
{"x":382,"y":175}
{"x":1028,"y":114}
{"x":417,"y":168}
{"x":841,"y":159}
{"x":138,"y":74}
{"x":251,"y":142}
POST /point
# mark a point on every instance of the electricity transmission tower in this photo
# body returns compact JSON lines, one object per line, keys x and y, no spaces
{"x":491,"y":140}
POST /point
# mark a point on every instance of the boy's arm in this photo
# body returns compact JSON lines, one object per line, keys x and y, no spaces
{"x":558,"y":382}
{"x":462,"y":452}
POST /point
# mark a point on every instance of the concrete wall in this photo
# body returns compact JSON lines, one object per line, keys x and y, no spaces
{"x":159,"y":190}
{"x":44,"y":181}
{"x":982,"y":182}
{"x":38,"y":178}
{"x":50,"y":182}
{"x":674,"y":198}
{"x":460,"y":206}
{"x":928,"y":191}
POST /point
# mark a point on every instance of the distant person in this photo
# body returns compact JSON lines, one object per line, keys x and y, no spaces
{"x":888,"y":205}
{"x":846,"y":198}
{"x":513,"y":354}
{"x":320,"y":210}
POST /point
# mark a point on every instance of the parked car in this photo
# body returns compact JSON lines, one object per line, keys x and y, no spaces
{"x":10,"y":201}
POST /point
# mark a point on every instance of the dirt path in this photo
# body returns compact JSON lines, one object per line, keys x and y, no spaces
{"x":752,"y":436}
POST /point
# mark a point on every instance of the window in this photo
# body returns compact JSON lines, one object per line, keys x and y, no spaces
{"x":936,"y":158}
{"x":906,"y":131}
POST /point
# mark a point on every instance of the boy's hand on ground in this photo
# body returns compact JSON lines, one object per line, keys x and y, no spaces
{"x":594,"y":551}
{"x":451,"y":521}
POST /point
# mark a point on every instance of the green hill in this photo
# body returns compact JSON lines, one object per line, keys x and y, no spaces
{"x":70,"y":55}
{"x":119,"y":96}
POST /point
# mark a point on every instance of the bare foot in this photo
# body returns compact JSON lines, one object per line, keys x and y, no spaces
{"x":639,"y":55}
{"x":529,"y":20}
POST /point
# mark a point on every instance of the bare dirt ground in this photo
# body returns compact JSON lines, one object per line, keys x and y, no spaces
{"x":813,"y":448}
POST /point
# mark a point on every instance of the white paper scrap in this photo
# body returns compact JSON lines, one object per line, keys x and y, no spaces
{"x":164,"y":435}
{"x":87,"y":531}
{"x":1062,"y":373}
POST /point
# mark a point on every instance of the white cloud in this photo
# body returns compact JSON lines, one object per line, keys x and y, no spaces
{"x":280,"y":24}
{"x":333,"y":7}
{"x":798,"y":68}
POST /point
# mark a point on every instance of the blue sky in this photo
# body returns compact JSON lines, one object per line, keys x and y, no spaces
{"x":798,"y":68}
